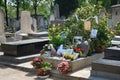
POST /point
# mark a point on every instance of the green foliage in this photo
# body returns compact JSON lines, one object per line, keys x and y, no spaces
{"x":55,"y":35}
{"x":46,"y":66}
{"x":76,"y":27}
{"x":104,"y":35}
{"x":117,"y":28}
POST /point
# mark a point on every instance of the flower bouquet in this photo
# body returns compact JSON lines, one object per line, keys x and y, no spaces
{"x":63,"y":67}
{"x":44,"y":71}
{"x":37,"y":62}
{"x":42,"y":66}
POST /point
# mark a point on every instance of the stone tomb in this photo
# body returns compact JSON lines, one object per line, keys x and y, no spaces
{"x":75,"y":64}
{"x":112,"y":53}
{"x":23,"y":47}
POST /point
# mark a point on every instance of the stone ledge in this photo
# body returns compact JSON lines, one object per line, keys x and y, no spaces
{"x":110,"y":66}
{"x":17,"y":60}
{"x":107,"y":75}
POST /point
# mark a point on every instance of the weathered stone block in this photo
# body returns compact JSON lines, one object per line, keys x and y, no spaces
{"x":112,"y":53}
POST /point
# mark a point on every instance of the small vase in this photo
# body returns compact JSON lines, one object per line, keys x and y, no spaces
{"x":43,"y":77}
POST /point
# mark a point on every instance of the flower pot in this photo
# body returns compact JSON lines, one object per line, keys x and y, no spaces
{"x":99,"y":50}
{"x":64,"y":72}
{"x":43,"y":77}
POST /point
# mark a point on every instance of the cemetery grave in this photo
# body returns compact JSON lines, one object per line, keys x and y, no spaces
{"x":62,"y":50}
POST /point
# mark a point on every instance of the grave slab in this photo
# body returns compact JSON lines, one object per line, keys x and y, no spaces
{"x":23,"y":47}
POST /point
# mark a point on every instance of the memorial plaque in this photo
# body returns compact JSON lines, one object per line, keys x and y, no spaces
{"x":87,"y":25}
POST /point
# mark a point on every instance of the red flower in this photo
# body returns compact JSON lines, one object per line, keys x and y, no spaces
{"x":78,"y":49}
{"x":40,"y":71}
{"x":37,"y":62}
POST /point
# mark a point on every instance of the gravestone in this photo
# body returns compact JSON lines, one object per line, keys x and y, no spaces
{"x":52,"y":17}
{"x":25,"y":22}
{"x":34,"y":25}
{"x":40,"y":22}
{"x":25,"y":26}
{"x":2,"y":33}
{"x":57,"y":14}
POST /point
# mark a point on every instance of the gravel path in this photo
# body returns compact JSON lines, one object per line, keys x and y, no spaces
{"x":7,"y":73}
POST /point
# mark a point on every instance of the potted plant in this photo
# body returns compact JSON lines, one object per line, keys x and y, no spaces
{"x":45,"y":69}
{"x":37,"y":62}
{"x":64,"y":67}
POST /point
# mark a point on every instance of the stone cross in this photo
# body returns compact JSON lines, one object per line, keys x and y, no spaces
{"x":2,"y":33}
{"x":25,"y":22}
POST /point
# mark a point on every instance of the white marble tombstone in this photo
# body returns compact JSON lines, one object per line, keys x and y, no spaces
{"x":2,"y":33}
{"x":25,"y":22}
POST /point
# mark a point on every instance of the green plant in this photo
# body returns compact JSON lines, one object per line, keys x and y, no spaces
{"x":104,"y":35}
{"x":57,"y":35}
{"x":74,"y":25}
{"x":117,"y":28}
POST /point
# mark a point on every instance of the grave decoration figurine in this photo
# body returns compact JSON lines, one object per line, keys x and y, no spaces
{"x":48,"y":50}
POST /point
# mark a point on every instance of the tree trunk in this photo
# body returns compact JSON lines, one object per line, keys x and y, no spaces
{"x":35,"y":9}
{"x":17,"y":10}
{"x":6,"y":12}
{"x":35,"y":12}
{"x":96,"y":2}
